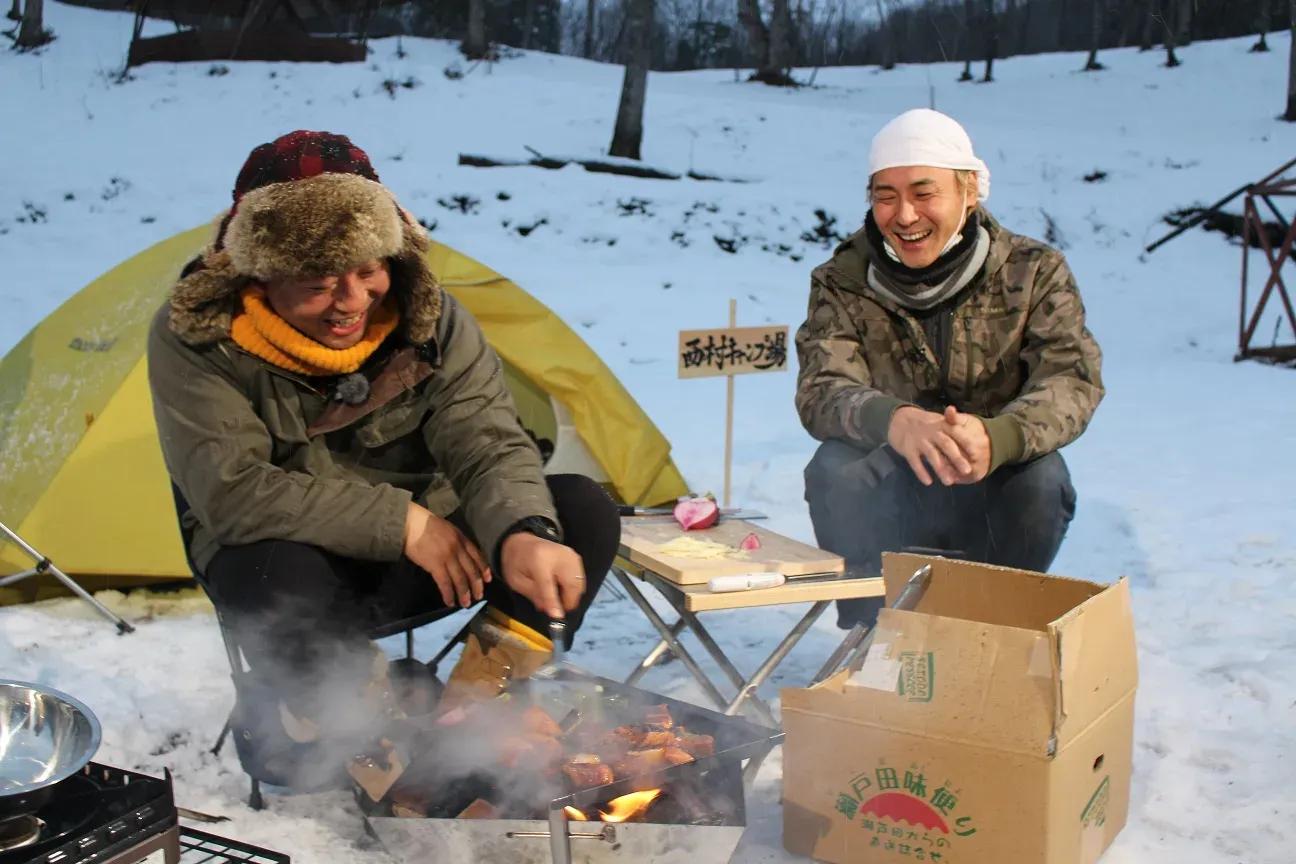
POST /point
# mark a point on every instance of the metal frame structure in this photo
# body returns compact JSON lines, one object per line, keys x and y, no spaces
{"x":746,"y":687}
{"x":45,"y":565}
{"x":1255,"y":231}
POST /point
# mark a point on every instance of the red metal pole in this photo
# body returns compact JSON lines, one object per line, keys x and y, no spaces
{"x":1246,"y":255}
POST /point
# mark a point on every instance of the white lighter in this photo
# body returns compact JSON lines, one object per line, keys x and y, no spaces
{"x":745,"y":582}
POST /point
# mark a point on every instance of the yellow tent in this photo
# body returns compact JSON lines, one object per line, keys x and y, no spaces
{"x":81,"y":475}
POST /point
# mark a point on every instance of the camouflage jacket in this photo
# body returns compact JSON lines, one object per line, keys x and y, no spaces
{"x":1017,"y":352}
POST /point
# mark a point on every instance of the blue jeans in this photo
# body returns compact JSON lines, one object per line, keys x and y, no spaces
{"x":865,"y":503}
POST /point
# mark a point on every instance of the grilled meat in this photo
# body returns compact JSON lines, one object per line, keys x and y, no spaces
{"x":538,"y":722}
{"x":676,"y":756}
{"x":659,"y":716}
{"x":584,"y":775}
{"x":695,"y":745}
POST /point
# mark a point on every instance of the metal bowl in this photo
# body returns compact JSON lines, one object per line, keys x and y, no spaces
{"x":45,"y":736}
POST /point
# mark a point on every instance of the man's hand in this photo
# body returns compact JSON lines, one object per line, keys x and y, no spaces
{"x":927,"y":437}
{"x":969,"y":432}
{"x":548,"y":574}
{"x":454,"y":562}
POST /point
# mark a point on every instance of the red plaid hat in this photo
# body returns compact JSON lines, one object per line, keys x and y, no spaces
{"x":299,"y":155}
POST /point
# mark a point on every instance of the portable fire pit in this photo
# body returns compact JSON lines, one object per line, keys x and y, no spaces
{"x":687,"y":812}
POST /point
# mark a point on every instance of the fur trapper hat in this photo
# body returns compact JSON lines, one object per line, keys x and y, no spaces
{"x":307,"y":204}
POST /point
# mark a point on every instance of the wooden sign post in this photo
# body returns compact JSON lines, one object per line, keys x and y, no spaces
{"x":732,"y":351}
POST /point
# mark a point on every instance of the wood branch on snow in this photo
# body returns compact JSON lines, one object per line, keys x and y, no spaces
{"x":597,"y":166}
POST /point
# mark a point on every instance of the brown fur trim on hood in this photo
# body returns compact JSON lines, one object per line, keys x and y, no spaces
{"x":319,"y":226}
{"x":205,"y":299}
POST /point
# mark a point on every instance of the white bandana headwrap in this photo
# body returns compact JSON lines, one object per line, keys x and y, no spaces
{"x":926,"y":137}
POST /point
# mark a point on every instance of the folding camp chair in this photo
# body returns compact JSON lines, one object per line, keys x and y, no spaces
{"x":245,"y":685}
{"x":45,"y":565}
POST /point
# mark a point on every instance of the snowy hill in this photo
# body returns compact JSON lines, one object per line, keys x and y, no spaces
{"x":1185,"y":477}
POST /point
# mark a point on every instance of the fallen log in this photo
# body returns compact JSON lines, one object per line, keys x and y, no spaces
{"x":597,"y":166}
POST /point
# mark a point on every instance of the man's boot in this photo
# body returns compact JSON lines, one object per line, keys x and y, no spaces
{"x":498,"y":649}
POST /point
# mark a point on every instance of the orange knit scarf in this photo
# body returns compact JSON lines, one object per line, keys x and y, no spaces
{"x":260,"y":331}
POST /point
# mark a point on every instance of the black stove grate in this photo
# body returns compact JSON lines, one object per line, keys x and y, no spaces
{"x":199,"y":847}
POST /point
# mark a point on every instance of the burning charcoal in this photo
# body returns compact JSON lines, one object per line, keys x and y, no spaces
{"x":440,"y":798}
{"x":696,"y":745}
{"x":537,"y":721}
{"x":375,"y":773}
{"x":584,"y":775}
{"x":403,"y":812}
{"x":676,"y":756}
{"x":659,"y":716}
{"x":480,"y":809}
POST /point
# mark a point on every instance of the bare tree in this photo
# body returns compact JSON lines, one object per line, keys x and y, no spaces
{"x":1170,"y":27}
{"x":1150,"y":25}
{"x":773,"y":45}
{"x":591,"y":7}
{"x":32,"y":32}
{"x":968,"y":17}
{"x":1095,"y":36}
{"x":628,"y":133}
{"x":528,"y":23}
{"x":1262,"y":24}
{"x":15,"y":11}
{"x":781,"y":50}
{"x":1184,"y":20}
{"x":474,"y":45}
{"x":991,"y":40}
{"x":888,"y":52}
{"x":750,"y":17}
{"x":1290,"y":116}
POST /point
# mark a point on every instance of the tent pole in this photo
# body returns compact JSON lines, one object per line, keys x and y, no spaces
{"x":44,"y":565}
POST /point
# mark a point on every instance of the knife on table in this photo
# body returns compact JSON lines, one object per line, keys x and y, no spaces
{"x":725,"y":512}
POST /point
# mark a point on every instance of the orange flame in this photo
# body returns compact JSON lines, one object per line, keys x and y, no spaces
{"x":627,"y":806}
{"x":575,"y":815}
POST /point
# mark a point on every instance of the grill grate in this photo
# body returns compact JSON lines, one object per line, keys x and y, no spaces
{"x":199,"y":847}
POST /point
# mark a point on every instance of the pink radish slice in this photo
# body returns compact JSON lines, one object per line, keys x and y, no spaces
{"x":695,"y":513}
{"x":750,"y":543}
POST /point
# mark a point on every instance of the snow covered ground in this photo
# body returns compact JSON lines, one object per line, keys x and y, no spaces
{"x":1185,"y":477}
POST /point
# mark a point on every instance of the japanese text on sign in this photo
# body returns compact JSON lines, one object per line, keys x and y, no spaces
{"x":732,"y":351}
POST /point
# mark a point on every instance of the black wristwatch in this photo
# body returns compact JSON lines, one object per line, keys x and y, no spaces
{"x":537,"y":525}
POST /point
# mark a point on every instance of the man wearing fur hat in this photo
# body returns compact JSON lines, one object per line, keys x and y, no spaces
{"x":345,"y":453}
{"x":944,"y":361}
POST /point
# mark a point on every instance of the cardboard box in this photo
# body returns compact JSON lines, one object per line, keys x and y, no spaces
{"x":993,"y":724}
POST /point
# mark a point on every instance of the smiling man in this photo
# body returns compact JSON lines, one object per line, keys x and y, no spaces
{"x":345,"y":454}
{"x":944,"y":361}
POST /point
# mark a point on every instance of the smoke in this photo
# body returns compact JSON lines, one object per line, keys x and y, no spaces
{"x":311,"y":693}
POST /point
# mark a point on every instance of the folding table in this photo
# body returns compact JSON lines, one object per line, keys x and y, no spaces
{"x":813,"y":576}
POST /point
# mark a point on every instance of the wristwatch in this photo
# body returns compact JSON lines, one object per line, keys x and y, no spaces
{"x":537,"y":525}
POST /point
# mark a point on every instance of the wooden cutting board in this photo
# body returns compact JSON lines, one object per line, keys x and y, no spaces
{"x":641,"y":540}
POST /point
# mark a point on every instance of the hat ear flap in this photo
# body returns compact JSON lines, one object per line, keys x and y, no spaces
{"x":204,"y":301}
{"x":421,"y":292}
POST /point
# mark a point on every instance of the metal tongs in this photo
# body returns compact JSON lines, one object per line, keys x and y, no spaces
{"x":857,"y":643}
{"x":558,"y":636}
{"x":589,"y":699}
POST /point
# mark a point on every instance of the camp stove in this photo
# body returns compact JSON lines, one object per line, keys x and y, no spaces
{"x":101,"y":815}
{"x":699,"y":816}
